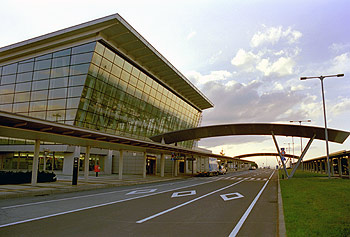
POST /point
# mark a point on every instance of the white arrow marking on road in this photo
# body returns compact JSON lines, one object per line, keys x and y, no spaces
{"x":227,"y":197}
{"x":184,"y":193}
{"x":142,"y":191}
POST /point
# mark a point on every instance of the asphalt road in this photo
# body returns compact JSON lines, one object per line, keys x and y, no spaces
{"x":242,"y":204}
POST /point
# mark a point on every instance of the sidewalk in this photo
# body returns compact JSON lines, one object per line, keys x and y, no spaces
{"x":64,"y":184}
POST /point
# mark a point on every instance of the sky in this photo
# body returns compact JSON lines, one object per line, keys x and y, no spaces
{"x":247,"y":57}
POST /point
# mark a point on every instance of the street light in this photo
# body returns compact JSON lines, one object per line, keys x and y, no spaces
{"x":324,"y":114}
{"x":301,"y":139}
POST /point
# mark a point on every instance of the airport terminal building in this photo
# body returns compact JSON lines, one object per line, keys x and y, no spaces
{"x":101,"y":75}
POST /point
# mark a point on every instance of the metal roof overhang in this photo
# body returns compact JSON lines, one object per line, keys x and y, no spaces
{"x":251,"y":129}
{"x":23,"y":127}
{"x":115,"y":31}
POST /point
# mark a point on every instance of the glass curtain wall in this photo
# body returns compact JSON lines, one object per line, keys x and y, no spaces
{"x":93,"y":87}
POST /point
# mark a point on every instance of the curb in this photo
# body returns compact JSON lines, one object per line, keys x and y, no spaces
{"x":281,"y":223}
{"x":72,"y":189}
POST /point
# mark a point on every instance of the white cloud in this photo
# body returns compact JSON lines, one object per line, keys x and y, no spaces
{"x":340,"y":64}
{"x":272,"y":35}
{"x":341,"y":107}
{"x":199,"y":79}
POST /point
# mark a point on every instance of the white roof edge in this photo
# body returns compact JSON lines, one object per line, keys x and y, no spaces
{"x":59,"y":32}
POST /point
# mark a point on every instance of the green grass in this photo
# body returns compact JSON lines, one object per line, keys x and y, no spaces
{"x":315,"y":205}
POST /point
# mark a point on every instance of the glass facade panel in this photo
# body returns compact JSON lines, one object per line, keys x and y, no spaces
{"x":60,"y":62}
{"x":91,"y":86}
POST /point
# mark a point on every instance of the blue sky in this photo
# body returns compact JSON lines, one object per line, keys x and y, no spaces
{"x":246,"y":56}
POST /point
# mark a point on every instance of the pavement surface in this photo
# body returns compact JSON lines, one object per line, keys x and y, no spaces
{"x":236,"y":204}
{"x":64,"y":184}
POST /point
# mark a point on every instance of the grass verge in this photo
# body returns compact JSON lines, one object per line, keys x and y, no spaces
{"x":315,"y":205}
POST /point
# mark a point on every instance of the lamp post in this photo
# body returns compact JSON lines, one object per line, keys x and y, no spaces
{"x":301,"y":139}
{"x":324,"y":114}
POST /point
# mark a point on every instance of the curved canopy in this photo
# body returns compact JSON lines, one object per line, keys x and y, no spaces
{"x":251,"y":129}
{"x":265,"y":154}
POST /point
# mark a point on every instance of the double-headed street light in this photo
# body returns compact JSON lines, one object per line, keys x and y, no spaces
{"x":324,"y":114}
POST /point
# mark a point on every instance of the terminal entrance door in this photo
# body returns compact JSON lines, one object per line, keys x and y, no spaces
{"x":182,"y":167}
{"x":151,"y":165}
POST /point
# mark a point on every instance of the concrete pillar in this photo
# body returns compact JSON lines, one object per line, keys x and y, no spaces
{"x":86,"y":163}
{"x":176,"y":167}
{"x":340,"y":171}
{"x":68,"y":161}
{"x":186,"y":166}
{"x":144,"y":164}
{"x":120,"y":172}
{"x":162,"y":165}
{"x":35,"y":162}
{"x":349,"y":166}
{"x":332,"y":167}
{"x":45,"y":157}
{"x":108,"y":162}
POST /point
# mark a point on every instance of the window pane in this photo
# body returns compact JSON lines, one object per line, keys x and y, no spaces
{"x":61,"y":53}
{"x":20,"y":107}
{"x":4,"y":99}
{"x":59,"y":72}
{"x":40,"y":85}
{"x":8,"y":79}
{"x":127,"y":66}
{"x":44,"y":64}
{"x":40,"y":115}
{"x":84,"y":48}
{"x":81,"y":58}
{"x":119,"y":61}
{"x":7,"y":89}
{"x":7,"y":108}
{"x":21,"y":87}
{"x":99,"y":48}
{"x":73,"y":103}
{"x":39,"y":95}
{"x":56,"y":104}
{"x":39,"y":75}
{"x":106,"y":65}
{"x":59,"y":82}
{"x":38,"y":106}
{"x":46,"y":56}
{"x":109,"y":54}
{"x":22,"y":97}
{"x":26,"y":67}
{"x":79,"y":69}
{"x":56,"y":115}
{"x":70,"y":114}
{"x":60,"y":62}
{"x":75,"y":91}
{"x":58,"y":93}
{"x":23,"y":77}
{"x":77,"y":80}
{"x":9,"y":69}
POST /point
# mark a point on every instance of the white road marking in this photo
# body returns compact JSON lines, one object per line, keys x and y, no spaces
{"x":82,"y":196}
{"x":142,"y":191}
{"x":99,"y":205}
{"x":231,"y":196}
{"x":185,"y":203}
{"x":247,"y":212}
{"x":183,"y":193}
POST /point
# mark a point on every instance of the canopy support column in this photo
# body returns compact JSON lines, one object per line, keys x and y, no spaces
{"x":302,"y":156}
{"x":279,"y":153}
